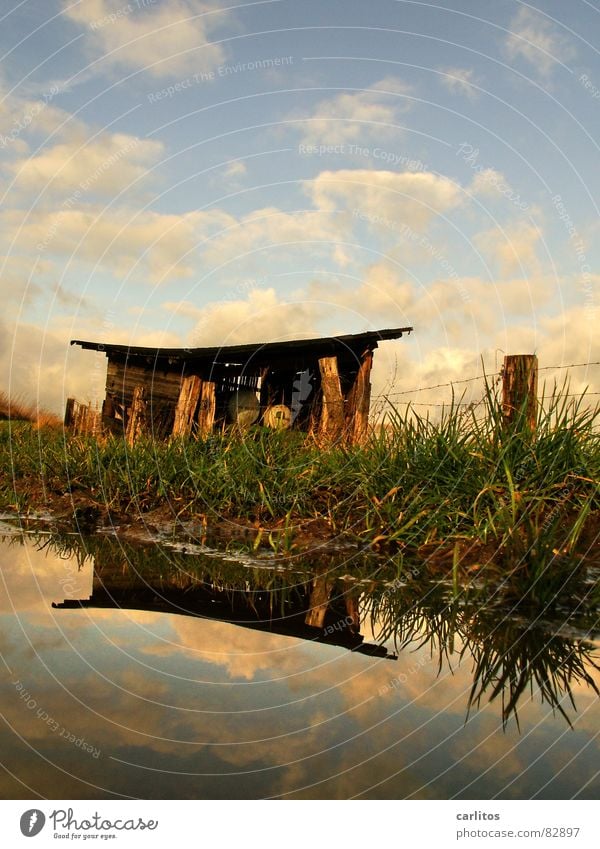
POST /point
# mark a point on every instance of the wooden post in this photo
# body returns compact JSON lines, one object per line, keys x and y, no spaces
{"x":206,"y":411}
{"x":359,"y":401}
{"x":519,"y":389}
{"x":332,"y":412}
{"x":70,"y":412}
{"x":138,"y":415}
{"x":187,"y":403}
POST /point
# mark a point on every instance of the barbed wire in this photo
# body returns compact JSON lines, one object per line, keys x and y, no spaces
{"x":475,"y":404}
{"x":570,"y":365}
{"x":497,"y":374}
{"x":437,"y":385}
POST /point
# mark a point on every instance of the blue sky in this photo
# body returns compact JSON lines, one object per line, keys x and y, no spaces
{"x":202,"y":173}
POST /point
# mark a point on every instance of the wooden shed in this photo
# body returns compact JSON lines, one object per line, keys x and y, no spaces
{"x":319,"y":384}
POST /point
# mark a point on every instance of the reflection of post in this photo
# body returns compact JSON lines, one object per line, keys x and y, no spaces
{"x":359,"y":401}
{"x":319,"y":601}
{"x":351,"y":597}
{"x":185,"y":411}
{"x":332,"y":413}
{"x":519,"y":389}
{"x":138,"y":416}
{"x":206,"y":411}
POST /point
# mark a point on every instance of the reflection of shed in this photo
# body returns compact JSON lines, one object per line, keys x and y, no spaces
{"x":321,"y":384}
{"x":314,"y":611}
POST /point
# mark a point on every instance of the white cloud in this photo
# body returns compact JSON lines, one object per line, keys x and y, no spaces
{"x":385,"y":199}
{"x":512,"y":250}
{"x":460,"y":81}
{"x":350,"y":117}
{"x":164,"y":39}
{"x":151,"y":245}
{"x":266,"y":229}
{"x":260,"y":317}
{"x":104,"y":165}
{"x":538,"y":41}
{"x":381,"y":296}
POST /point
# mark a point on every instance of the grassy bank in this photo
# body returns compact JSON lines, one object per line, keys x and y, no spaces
{"x":459,"y":492}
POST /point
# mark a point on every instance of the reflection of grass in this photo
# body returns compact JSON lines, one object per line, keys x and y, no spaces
{"x":464,"y":493}
{"x":510,"y":656}
{"x":513,"y":659}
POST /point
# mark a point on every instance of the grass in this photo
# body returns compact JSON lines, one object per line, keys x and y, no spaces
{"x":462,"y":495}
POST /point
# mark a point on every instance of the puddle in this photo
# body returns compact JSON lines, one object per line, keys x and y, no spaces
{"x":175,"y":671}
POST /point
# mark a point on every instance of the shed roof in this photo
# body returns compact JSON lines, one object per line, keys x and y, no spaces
{"x":328,"y":345}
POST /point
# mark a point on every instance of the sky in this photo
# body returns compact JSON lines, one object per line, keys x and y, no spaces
{"x":192,"y":173}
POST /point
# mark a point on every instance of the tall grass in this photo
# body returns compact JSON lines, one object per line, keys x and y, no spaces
{"x":20,"y":410}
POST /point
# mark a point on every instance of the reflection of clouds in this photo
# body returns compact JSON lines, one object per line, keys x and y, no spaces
{"x":171,"y":699}
{"x":33,"y":578}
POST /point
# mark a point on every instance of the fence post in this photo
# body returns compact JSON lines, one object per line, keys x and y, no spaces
{"x":519,"y":389}
{"x":359,"y":401}
{"x":332,"y":414}
{"x":185,"y":411}
{"x":138,"y":416}
{"x":206,"y":408}
{"x":70,"y":412}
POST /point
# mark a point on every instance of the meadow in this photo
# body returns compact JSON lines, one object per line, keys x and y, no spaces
{"x":465,"y":495}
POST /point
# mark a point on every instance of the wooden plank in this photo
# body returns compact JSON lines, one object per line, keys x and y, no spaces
{"x":122,"y":379}
{"x":138,"y":416}
{"x":206,"y":409}
{"x":519,"y":390}
{"x":187,"y":404}
{"x":359,"y":402}
{"x":332,"y":412}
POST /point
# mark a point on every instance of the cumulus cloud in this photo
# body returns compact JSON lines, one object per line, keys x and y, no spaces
{"x":150,"y":245}
{"x":512,"y":250}
{"x":385,"y":199}
{"x":460,"y":81}
{"x":102,"y":165}
{"x":262,"y":316}
{"x":538,"y":41}
{"x":164,"y":39}
{"x":265,"y":228}
{"x":350,"y":117}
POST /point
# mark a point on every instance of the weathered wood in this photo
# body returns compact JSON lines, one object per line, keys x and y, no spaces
{"x":138,"y":416}
{"x":519,"y":389}
{"x":332,"y":412}
{"x":70,"y":412}
{"x":206,"y":408}
{"x":359,"y":401}
{"x":187,"y":404}
{"x":121,"y":380}
{"x":319,"y":601}
{"x":85,"y":419}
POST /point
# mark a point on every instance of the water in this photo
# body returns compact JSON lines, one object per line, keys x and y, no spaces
{"x":148,"y":691}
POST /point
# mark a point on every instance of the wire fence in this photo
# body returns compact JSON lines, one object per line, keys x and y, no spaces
{"x":386,"y":396}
